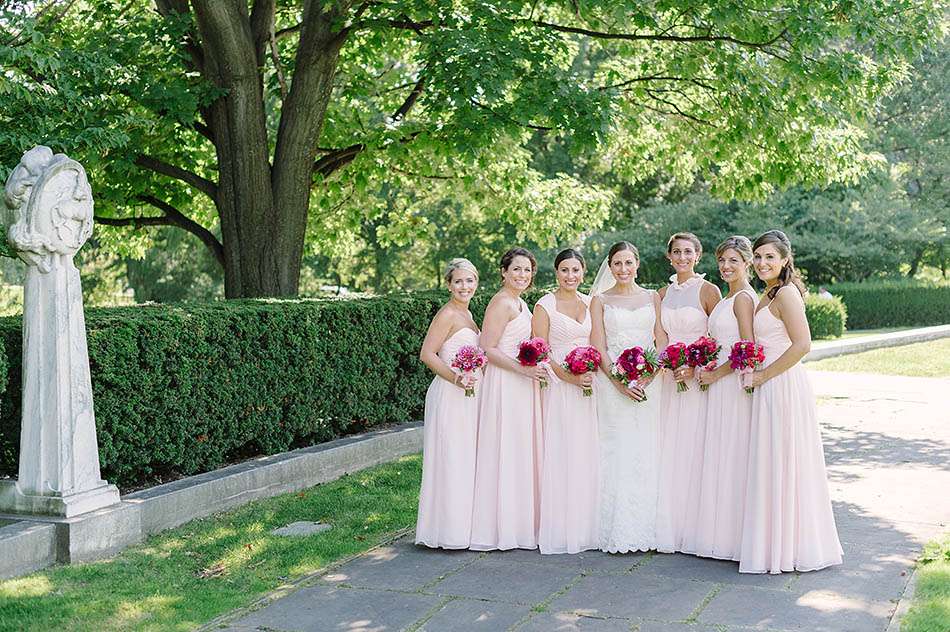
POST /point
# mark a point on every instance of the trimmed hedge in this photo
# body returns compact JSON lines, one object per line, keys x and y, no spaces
{"x":182,"y":389}
{"x":826,"y":316}
{"x":894,"y":303}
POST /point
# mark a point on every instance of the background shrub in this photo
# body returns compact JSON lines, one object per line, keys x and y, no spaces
{"x":826,"y":316}
{"x":894,"y":303}
{"x":181,"y":389}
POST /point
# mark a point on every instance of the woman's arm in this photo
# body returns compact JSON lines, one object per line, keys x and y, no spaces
{"x":437,"y":334}
{"x":792,"y":313}
{"x":709,"y":296}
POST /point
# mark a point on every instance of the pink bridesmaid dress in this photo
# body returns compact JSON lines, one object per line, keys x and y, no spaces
{"x":682,"y":423}
{"x":448,"y":457}
{"x":508,"y":461}
{"x":788,"y":524}
{"x":718,"y":529}
{"x":569,"y":476}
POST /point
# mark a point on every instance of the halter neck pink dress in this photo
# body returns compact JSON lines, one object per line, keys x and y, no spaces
{"x":726,"y":452}
{"x":569,"y":476}
{"x":788,"y":524}
{"x":448,"y":457}
{"x":682,"y":422}
{"x":508,"y":461}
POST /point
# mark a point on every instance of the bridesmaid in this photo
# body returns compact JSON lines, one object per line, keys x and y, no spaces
{"x":718,"y":528}
{"x":788,"y":524}
{"x":684,"y":310}
{"x":451,"y":420}
{"x":506,"y":509}
{"x":569,"y":483}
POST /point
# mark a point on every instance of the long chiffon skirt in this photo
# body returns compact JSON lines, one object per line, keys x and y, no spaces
{"x":569,"y":479}
{"x":682,"y":438}
{"x":717,"y":531}
{"x":448,"y":467}
{"x":788,"y":523}
{"x":506,"y":510}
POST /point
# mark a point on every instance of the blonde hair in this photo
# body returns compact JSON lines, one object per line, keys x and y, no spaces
{"x":459,"y":263}
{"x":740,"y":244}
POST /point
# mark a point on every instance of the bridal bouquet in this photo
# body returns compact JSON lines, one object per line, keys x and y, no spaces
{"x":582,"y":360}
{"x":635,"y":363}
{"x":672,"y":358}
{"x":532,"y":352}
{"x":746,"y":357}
{"x":469,"y":359}
{"x":702,"y":353}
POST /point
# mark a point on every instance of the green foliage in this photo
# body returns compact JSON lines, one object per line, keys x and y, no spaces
{"x":826,"y":316}
{"x":894,"y":303}
{"x":186,"y":388}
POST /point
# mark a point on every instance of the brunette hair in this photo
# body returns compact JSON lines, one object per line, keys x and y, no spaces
{"x":690,"y":237}
{"x":740,"y":244}
{"x":459,"y":263}
{"x":518,"y":251}
{"x":620,"y":246}
{"x":788,"y":275}
{"x":569,"y":253}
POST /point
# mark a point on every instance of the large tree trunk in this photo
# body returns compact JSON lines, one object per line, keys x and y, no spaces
{"x":263,"y":209}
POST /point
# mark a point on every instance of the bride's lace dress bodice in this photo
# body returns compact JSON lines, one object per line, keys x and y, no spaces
{"x":628,"y":436}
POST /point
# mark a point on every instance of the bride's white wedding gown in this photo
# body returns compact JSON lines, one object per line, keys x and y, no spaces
{"x":629,"y":441}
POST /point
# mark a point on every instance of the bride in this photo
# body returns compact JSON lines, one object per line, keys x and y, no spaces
{"x":626,"y":315}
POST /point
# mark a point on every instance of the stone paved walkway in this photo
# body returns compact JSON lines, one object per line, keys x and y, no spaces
{"x":887,"y":441}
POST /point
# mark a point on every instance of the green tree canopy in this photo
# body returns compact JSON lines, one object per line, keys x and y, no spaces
{"x":258,"y":126}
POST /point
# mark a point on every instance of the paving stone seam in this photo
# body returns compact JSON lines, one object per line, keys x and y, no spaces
{"x":293,"y":586}
{"x":435,"y":582}
{"x":694,"y":615}
{"x":431,"y":613}
{"x":542,"y":605}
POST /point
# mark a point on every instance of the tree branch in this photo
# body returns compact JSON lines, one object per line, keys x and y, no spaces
{"x":262,"y":27}
{"x":171,"y":216}
{"x":539,"y":128}
{"x":337,"y":158}
{"x":656,"y":37}
{"x":204,"y":185}
{"x":410,"y":100}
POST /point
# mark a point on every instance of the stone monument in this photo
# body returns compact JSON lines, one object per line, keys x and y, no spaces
{"x":49,"y":215}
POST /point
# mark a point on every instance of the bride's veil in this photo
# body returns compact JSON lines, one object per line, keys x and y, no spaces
{"x":604,"y":279}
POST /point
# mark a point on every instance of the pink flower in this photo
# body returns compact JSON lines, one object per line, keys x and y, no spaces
{"x":532,"y":352}
{"x":467,"y":360}
{"x":582,"y":360}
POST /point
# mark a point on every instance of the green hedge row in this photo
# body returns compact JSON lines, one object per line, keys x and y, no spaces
{"x":894,"y":303}
{"x":182,"y":389}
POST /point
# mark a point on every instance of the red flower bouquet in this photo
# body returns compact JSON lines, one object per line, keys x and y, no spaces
{"x":533,"y":352}
{"x":635,"y":363}
{"x":746,"y":357}
{"x":674,"y":357}
{"x":469,"y":359}
{"x":702,"y":354}
{"x":582,"y":360}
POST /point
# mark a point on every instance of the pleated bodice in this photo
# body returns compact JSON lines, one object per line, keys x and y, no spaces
{"x":566,"y":334}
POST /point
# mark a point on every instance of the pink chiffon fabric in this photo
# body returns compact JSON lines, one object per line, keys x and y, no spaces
{"x":508,"y":461}
{"x":569,"y":478}
{"x":448,"y":457}
{"x":718,"y":529}
{"x":682,"y":423}
{"x":788,"y":524}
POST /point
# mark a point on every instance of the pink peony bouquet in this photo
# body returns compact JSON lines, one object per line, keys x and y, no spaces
{"x":469,"y":359}
{"x":746,"y":357}
{"x":582,"y":360}
{"x":532,"y":352}
{"x":672,"y":358}
{"x":702,"y":354}
{"x":633,"y":364}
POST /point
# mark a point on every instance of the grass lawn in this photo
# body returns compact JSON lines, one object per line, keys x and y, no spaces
{"x":930,"y":610}
{"x":187,"y":576}
{"x":925,"y":359}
